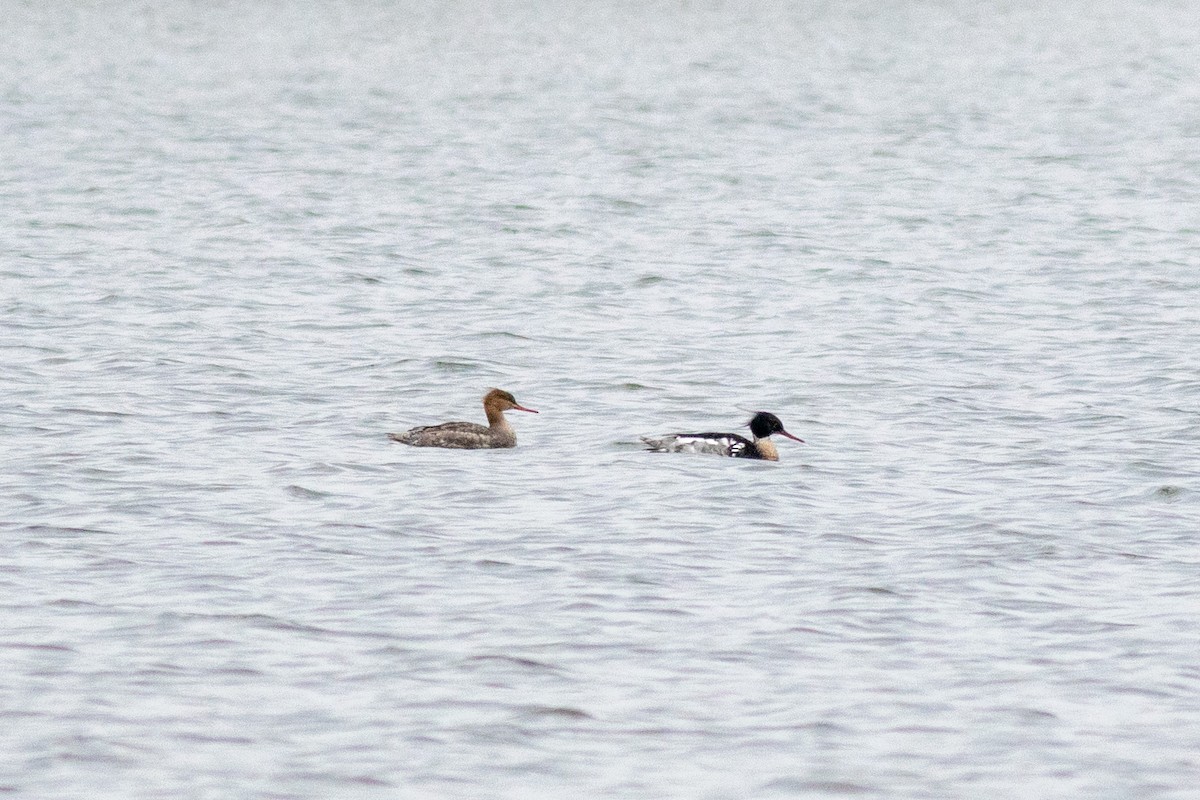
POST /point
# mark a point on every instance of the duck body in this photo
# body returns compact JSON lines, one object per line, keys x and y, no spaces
{"x":762,"y":426}
{"x":717,"y":444}
{"x":458,"y":436}
{"x":469,"y":435}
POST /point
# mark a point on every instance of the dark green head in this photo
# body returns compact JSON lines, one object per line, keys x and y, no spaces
{"x":764,"y":424}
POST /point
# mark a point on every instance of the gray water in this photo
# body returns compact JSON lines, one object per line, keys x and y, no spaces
{"x":953,"y":245}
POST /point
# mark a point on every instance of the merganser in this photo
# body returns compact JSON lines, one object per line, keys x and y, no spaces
{"x":762,"y":425}
{"x":468,"y":435}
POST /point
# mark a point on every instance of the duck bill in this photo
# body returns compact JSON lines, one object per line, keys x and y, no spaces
{"x":523,"y":408}
{"x":793,"y":438}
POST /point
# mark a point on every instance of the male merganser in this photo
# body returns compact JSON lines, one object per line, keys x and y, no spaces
{"x":468,"y":435}
{"x":762,"y":425}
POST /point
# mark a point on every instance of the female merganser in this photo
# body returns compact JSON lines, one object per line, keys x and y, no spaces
{"x":468,"y":435}
{"x":727,"y":444}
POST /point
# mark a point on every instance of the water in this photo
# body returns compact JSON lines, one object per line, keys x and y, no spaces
{"x":952,"y":245}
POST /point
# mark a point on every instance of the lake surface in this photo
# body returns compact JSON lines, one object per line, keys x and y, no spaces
{"x":955,"y":246}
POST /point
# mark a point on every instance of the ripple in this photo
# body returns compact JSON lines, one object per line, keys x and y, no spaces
{"x":809,"y":787}
{"x":556,"y":712}
{"x":516,"y":661}
{"x":52,"y":648}
{"x":501,"y":335}
{"x":307,"y":494}
{"x":456,"y":366}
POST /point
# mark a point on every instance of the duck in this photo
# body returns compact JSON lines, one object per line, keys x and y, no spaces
{"x":469,"y":435}
{"x":762,"y":425}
